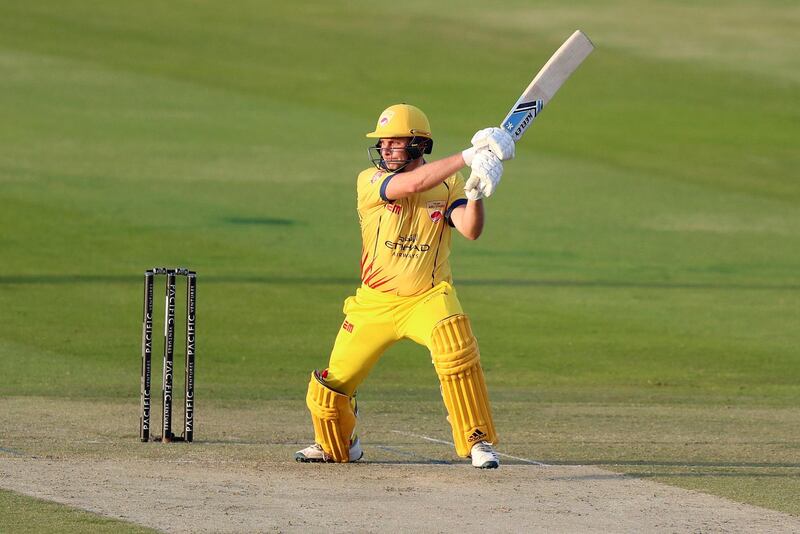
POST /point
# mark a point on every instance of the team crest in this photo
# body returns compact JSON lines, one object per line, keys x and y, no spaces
{"x":436,"y":210}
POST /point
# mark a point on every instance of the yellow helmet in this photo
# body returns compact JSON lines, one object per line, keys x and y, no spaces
{"x":402,"y":120}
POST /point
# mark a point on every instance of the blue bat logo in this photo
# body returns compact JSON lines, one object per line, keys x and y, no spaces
{"x":522,"y":116}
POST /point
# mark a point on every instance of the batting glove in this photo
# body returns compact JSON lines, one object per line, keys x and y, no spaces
{"x":497,"y":140}
{"x":487,"y":169}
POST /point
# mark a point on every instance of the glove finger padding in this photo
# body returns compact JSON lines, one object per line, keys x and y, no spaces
{"x":472,"y":181}
{"x":472,"y":187}
{"x":480,"y":136}
{"x":497,"y":140}
{"x":486,"y":172}
{"x":486,"y":163}
{"x":487,"y":187}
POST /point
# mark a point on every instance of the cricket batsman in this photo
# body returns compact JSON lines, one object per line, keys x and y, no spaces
{"x":407,"y":207}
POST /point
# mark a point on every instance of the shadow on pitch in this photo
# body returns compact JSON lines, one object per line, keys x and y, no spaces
{"x":712,"y":474}
{"x":663,"y":469}
{"x":65,"y":279}
{"x":677,"y":464}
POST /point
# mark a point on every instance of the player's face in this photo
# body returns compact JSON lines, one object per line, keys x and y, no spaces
{"x":393,"y":152}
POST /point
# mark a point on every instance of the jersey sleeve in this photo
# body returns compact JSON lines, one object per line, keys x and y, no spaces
{"x":372,"y":188}
{"x":457,"y":197}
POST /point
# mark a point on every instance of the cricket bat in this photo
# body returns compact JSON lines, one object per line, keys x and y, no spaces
{"x":546,"y":83}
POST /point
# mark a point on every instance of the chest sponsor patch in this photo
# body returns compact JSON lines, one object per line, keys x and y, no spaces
{"x":436,"y":210}
{"x":375,"y":177}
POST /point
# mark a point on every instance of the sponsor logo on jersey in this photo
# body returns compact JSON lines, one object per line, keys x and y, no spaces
{"x":407,"y":244}
{"x":375,"y":177}
{"x":436,"y":210}
{"x":348,"y":326}
{"x":394,"y":208}
{"x":405,"y":247}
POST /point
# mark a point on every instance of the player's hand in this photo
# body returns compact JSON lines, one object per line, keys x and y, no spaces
{"x":487,"y":169}
{"x":497,"y":140}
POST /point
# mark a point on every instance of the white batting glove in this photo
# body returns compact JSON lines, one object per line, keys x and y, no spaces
{"x":497,"y":140}
{"x":487,"y":169}
{"x":471,"y":189}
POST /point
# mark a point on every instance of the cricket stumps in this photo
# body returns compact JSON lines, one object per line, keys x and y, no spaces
{"x":169,"y":345}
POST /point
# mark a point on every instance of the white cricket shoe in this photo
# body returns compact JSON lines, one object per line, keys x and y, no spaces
{"x":314,"y":453}
{"x":483,"y":456}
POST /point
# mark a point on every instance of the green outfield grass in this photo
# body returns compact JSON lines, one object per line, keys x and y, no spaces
{"x":22,"y":515}
{"x":642,"y":251}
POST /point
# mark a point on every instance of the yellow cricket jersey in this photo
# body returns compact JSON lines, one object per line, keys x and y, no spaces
{"x":406,"y":242}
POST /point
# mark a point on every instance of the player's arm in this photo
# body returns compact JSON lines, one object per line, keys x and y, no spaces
{"x":424,"y":177}
{"x":468,"y":219}
{"x":487,"y":168}
{"x":489,"y":147}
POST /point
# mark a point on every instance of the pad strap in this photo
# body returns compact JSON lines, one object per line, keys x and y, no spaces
{"x":455,"y":355}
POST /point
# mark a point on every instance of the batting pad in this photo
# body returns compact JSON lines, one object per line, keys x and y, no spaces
{"x":333,"y":417}
{"x":457,"y":361}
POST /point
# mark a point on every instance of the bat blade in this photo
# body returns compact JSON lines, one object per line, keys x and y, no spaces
{"x":546,"y":83}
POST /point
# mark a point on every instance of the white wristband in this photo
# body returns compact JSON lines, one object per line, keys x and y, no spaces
{"x":468,"y":154}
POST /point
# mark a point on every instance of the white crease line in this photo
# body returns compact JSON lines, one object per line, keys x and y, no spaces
{"x":450,"y":443}
{"x":424,"y":437}
{"x":534,"y":462}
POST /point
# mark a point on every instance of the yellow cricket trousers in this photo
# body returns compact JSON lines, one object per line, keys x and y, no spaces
{"x":374,"y":321}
